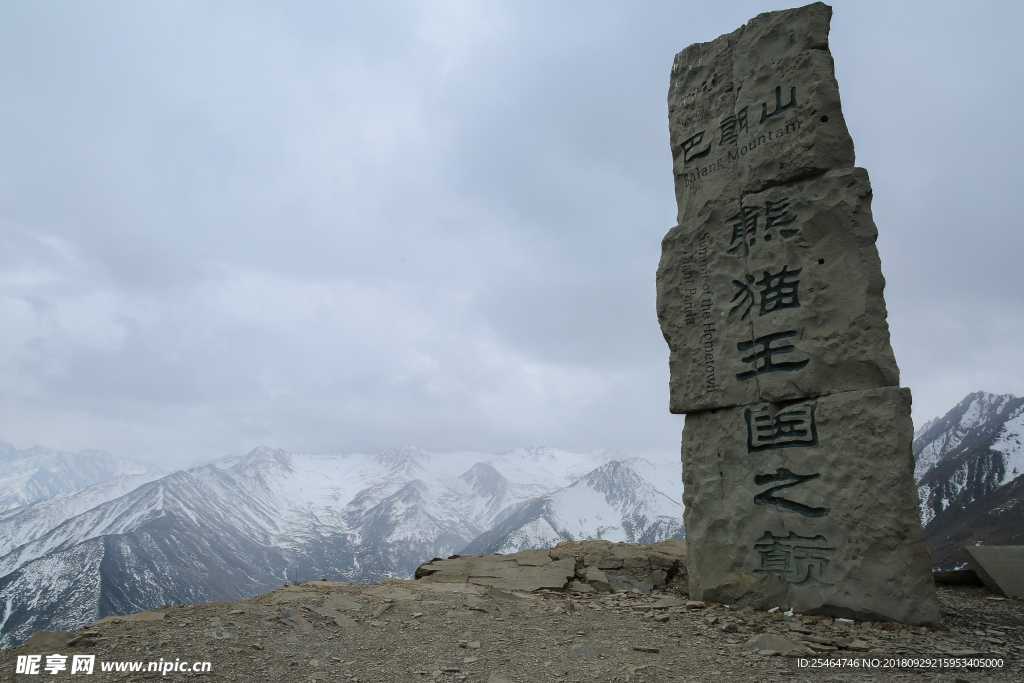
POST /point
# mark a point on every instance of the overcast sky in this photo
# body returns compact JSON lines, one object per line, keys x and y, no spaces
{"x":344,"y":226}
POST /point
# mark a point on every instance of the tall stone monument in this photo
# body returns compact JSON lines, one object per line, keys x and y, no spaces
{"x":797,"y":459}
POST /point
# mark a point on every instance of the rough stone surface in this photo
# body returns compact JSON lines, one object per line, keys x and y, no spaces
{"x":817,"y":292}
{"x":755,"y":108}
{"x":775,"y":247}
{"x":823,"y":519}
{"x":797,"y":459}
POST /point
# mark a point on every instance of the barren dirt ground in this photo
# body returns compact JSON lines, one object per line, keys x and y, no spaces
{"x":414,"y":631}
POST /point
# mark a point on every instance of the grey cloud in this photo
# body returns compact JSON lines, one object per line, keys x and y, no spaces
{"x":344,"y":226}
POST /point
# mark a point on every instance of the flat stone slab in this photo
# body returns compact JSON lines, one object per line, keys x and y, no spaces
{"x":766,"y":312}
{"x":1000,"y":567}
{"x":501,"y":571}
{"x":555,"y":569}
{"x":808,"y":505}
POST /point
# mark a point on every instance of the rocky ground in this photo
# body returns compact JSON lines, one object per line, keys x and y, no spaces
{"x":447,"y":629}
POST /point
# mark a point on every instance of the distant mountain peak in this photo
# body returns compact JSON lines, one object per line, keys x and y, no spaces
{"x":942,"y":436}
{"x":400,"y":457}
{"x":970,"y":474}
{"x":37,"y":473}
{"x":485,"y":480}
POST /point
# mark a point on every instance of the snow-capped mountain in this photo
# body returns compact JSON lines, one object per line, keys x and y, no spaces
{"x":23,"y":524}
{"x":615,"y":502}
{"x":969,"y":467}
{"x":242,"y":526}
{"x":37,"y":473}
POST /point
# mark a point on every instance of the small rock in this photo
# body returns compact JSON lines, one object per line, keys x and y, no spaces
{"x":381,"y":609}
{"x":221,"y":635}
{"x":474,"y":603}
{"x":858,"y":645}
{"x":646,"y":648}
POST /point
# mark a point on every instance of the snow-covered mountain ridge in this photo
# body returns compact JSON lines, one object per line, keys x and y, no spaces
{"x":244,"y":525}
{"x":969,"y":467}
{"x":39,"y":473}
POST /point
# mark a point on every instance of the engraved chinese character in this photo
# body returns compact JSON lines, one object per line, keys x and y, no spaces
{"x":784,"y":475}
{"x":779,"y":107}
{"x":777,"y":291}
{"x":690,"y":144}
{"x":744,"y":223}
{"x":732,"y":125}
{"x":775,"y":216}
{"x":792,"y":427}
{"x":763,"y":352}
{"x":747,"y":294}
{"x":799,"y":560}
